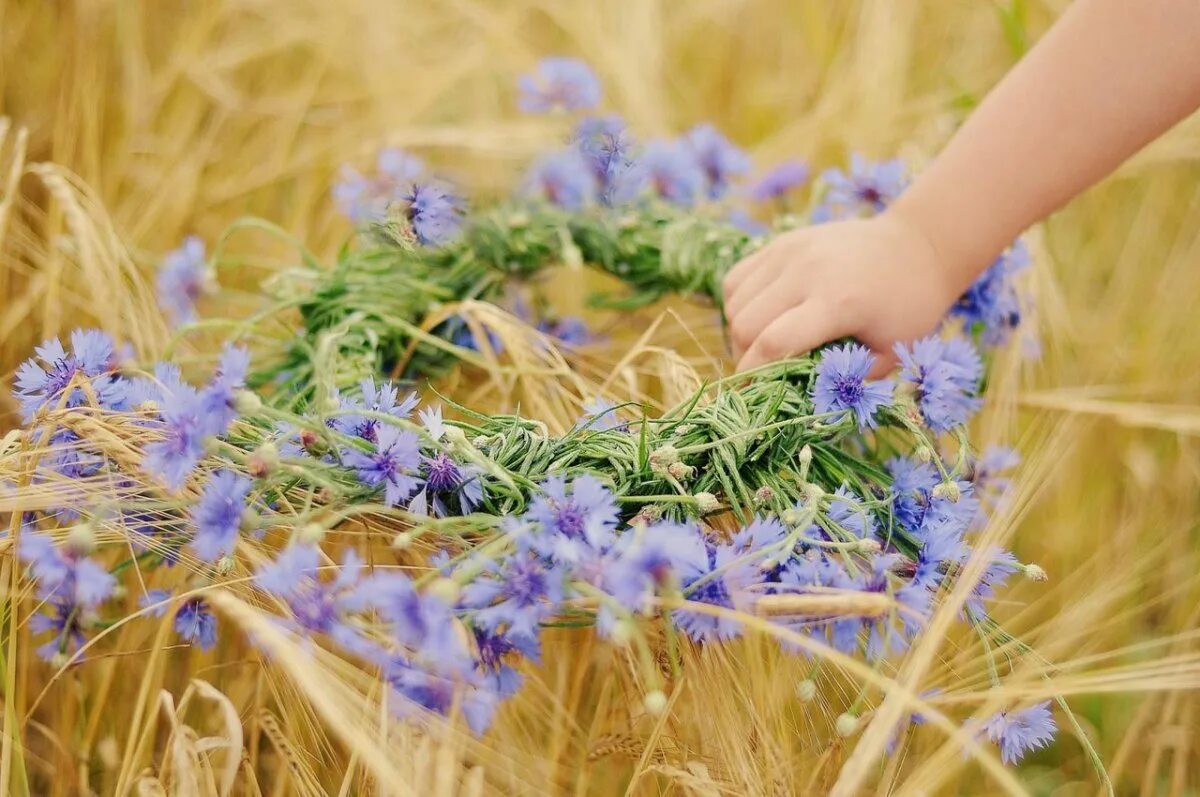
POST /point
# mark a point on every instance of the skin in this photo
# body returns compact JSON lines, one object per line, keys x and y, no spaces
{"x":1108,"y":78}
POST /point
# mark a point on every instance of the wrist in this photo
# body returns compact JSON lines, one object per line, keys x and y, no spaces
{"x":942,"y":277}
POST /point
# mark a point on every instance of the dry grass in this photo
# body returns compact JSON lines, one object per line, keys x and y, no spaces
{"x":131,"y":124}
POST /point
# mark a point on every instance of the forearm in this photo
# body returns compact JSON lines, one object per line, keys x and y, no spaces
{"x":1107,"y":79}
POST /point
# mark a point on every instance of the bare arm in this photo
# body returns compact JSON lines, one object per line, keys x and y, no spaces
{"x":1109,"y":77}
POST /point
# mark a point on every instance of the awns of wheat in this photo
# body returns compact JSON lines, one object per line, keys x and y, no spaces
{"x":803,"y":497}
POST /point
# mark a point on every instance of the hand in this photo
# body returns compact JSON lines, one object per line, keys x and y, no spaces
{"x":878,"y":280}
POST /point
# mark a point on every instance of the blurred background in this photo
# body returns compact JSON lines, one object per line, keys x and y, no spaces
{"x":129,"y":124}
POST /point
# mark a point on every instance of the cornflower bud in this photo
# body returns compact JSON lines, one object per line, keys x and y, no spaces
{"x":706,"y":503}
{"x":310,"y":533}
{"x":805,"y":456}
{"x":247,"y":402}
{"x":683,"y":429}
{"x":455,"y":435}
{"x":763,"y":495}
{"x":263,"y":460}
{"x":655,"y":702}
{"x":225,"y":565}
{"x":402,"y":540}
{"x":869,"y":545}
{"x":847,"y":724}
{"x":680,"y":470}
{"x":814,"y":492}
{"x":480,"y":442}
{"x":948,"y":491}
{"x":806,"y":690}
{"x":664,"y":456}
{"x":1034,"y":573}
{"x":81,"y":540}
{"x":445,"y":589}
{"x":924,"y":454}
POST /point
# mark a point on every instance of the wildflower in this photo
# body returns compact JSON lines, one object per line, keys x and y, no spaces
{"x":718,"y":158}
{"x":561,"y":178}
{"x":566,"y":84}
{"x":866,"y":190}
{"x":569,"y":330}
{"x":70,"y":584}
{"x":363,"y":199}
{"x":714,"y":584}
{"x":599,"y":415}
{"x":945,"y":376}
{"x":218,"y":400}
{"x":182,"y":278}
{"x":381,"y":398}
{"x":846,"y":513}
{"x":393,"y":464}
{"x":739,"y":218}
{"x":605,"y":143}
{"x":434,"y":691}
{"x":218,"y":515}
{"x":90,"y":361}
{"x":516,"y":593}
{"x":450,"y":488}
{"x":992,"y":306}
{"x":572,"y":515}
{"x":1019,"y":732}
{"x":777,"y":183}
{"x":434,"y":213}
{"x":672,"y":172}
{"x":195,"y":622}
{"x":495,"y":649}
{"x":841,"y":384}
{"x":1001,"y":565}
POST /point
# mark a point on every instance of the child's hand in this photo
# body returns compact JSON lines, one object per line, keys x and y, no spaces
{"x":878,"y":280}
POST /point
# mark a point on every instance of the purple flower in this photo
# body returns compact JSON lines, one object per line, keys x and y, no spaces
{"x":435,"y":214}
{"x":672,"y":172}
{"x":217,"y":515}
{"x":569,"y":330}
{"x":516,"y":593}
{"x":174,"y":457}
{"x":714,"y":583}
{"x":70,"y":585}
{"x":440,"y":693}
{"x":364,"y":199}
{"x":572,"y":516}
{"x":865,"y":191}
{"x":393,"y":465}
{"x":777,"y":183}
{"x":496,"y":650}
{"x":1001,"y":565}
{"x":1019,"y":732}
{"x":566,"y":84}
{"x":718,"y":158}
{"x":217,"y":398}
{"x":182,"y":279}
{"x":450,"y":489}
{"x":423,"y":625}
{"x":90,"y":360}
{"x":606,"y":145}
{"x":561,"y":178}
{"x":992,"y":306}
{"x":841,"y":384}
{"x":656,"y":557}
{"x":945,"y":375}
{"x":195,"y":622}
{"x":599,"y":415}
{"x":382,"y":398}
{"x":847,"y":513}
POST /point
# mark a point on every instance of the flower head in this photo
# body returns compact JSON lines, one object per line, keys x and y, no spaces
{"x":434,"y":213}
{"x":1019,"y":732}
{"x":562,"y":178}
{"x":451,"y":489}
{"x":671,"y":170}
{"x":382,"y":398}
{"x":60,"y":373}
{"x":780,"y":181}
{"x":70,"y":584}
{"x":195,"y":622}
{"x":571,"y":515}
{"x":945,"y":375}
{"x":865,"y":191}
{"x":182,"y":279}
{"x":607,"y":147}
{"x":393,"y":465}
{"x":720,"y":160}
{"x":841,"y":384}
{"x":566,"y":84}
{"x":218,"y":515}
{"x":516,"y":593}
{"x":363,"y":199}
{"x":992,"y":305}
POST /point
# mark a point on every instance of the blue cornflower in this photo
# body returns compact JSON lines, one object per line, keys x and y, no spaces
{"x":1001,"y":565}
{"x":847,"y":512}
{"x":182,"y":278}
{"x":322,"y":607}
{"x":423,"y":625}
{"x":451,"y":489}
{"x":987,"y":474}
{"x":569,"y":330}
{"x":217,"y":515}
{"x":516,"y":593}
{"x":607,"y":146}
{"x":671,"y":170}
{"x":992,"y":305}
{"x":912,"y":484}
{"x":393,"y":464}
{"x":382,"y":398}
{"x":218,"y":397}
{"x":740,"y":218}
{"x":433,"y":691}
{"x":656,"y":557}
{"x":865,"y":191}
{"x":364,"y":199}
{"x":71,"y":586}
{"x":945,"y":376}
{"x":718,"y":158}
{"x":714,"y":588}
{"x":777,"y":183}
{"x":566,"y":84}
{"x":1019,"y":732}
{"x":195,"y":622}
{"x":841,"y":384}
{"x":91,"y":359}
{"x":185,"y":429}
{"x":571,"y":516}
{"x":495,"y":650}
{"x":762,"y":532}
{"x":599,"y":415}
{"x":561,"y":178}
{"x":434,"y":213}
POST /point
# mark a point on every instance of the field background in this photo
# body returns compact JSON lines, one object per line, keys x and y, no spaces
{"x":132,"y":123}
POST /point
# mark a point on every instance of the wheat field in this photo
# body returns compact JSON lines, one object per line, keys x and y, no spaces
{"x":126,"y":125}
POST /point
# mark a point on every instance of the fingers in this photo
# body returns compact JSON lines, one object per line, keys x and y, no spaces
{"x":885,"y":362}
{"x":761,"y":272}
{"x":774,"y":300}
{"x":800,"y":329}
{"x":737,"y":275}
